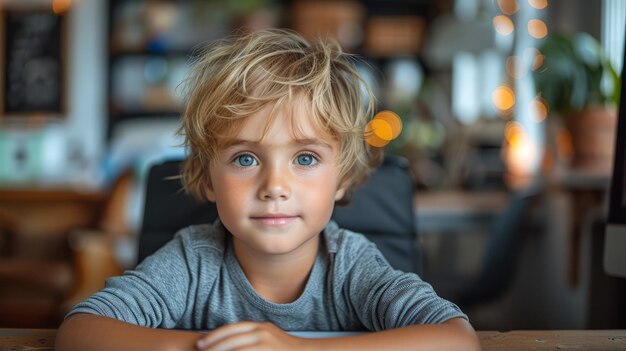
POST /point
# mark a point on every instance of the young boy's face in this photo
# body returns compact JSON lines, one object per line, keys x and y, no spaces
{"x":273,"y":192}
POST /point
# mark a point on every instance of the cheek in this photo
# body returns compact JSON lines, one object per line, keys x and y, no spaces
{"x":231,"y":191}
{"x":321,"y":191}
{"x":232,"y":199}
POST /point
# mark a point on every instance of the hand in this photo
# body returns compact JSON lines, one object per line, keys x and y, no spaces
{"x":250,"y":336}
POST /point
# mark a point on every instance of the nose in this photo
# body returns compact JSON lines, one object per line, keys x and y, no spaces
{"x":275,"y":184}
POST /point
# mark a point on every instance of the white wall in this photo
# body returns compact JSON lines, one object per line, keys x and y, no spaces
{"x":87,"y":77}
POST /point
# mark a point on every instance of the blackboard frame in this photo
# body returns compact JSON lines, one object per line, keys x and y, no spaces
{"x":54,"y":49}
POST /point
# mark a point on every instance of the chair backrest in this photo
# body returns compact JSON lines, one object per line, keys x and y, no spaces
{"x":381,"y":209}
{"x":500,"y":259}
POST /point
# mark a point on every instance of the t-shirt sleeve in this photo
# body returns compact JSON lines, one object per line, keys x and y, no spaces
{"x":384,"y":298}
{"x":154,"y":294}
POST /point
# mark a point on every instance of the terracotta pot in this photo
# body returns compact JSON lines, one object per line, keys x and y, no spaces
{"x":593,"y":135}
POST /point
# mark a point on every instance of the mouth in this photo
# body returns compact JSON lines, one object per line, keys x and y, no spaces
{"x":274,"y":220}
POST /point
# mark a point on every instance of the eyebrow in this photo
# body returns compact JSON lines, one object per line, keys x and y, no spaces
{"x":303,"y":142}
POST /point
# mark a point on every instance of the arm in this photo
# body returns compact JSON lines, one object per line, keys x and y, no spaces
{"x":154,"y":294}
{"x":123,"y":314}
{"x":455,"y":334}
{"x":89,"y":332}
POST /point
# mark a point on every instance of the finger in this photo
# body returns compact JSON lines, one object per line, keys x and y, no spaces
{"x":235,"y":342}
{"x":224,"y":332}
{"x":255,"y":347}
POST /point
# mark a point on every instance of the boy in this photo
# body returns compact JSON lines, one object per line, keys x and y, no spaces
{"x":274,"y":129}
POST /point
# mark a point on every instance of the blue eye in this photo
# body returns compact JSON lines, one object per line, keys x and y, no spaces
{"x":245,"y":160}
{"x":306,"y":160}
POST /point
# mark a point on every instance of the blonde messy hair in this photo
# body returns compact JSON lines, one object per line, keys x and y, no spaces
{"x":239,"y":76}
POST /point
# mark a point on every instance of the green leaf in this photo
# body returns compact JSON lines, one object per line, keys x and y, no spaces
{"x":575,"y":74}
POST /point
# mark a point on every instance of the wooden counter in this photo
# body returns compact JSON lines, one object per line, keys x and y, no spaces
{"x":593,"y":340}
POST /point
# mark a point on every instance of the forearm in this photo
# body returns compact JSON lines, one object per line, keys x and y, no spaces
{"x":88,"y":332}
{"x":453,"y":335}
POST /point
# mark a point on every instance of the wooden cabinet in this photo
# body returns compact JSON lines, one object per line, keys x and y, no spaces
{"x":36,"y":265}
{"x":42,"y":218}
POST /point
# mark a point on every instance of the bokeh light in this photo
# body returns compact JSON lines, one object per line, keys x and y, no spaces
{"x":372,"y":138}
{"x":393,"y":120}
{"x":538,"y":61}
{"x":538,"y":4}
{"x":503,"y":98}
{"x":508,"y":7}
{"x":537,"y":28}
{"x":540,"y":106}
{"x":383,"y":128}
{"x":60,"y":6}
{"x":519,"y":150}
{"x":503,"y":25}
{"x":535,"y":56}
{"x":515,"y":67}
{"x":512,"y":131}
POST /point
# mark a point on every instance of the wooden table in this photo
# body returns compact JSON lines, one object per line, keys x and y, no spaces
{"x":594,"y":340}
{"x":27,"y":339}
{"x":531,"y":340}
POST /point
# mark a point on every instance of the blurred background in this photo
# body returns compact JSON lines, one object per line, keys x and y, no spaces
{"x":508,"y":111}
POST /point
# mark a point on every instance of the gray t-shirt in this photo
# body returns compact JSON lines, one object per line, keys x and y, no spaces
{"x":195,"y":282}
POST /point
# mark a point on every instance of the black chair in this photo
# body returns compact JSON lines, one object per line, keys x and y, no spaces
{"x":381,"y":209}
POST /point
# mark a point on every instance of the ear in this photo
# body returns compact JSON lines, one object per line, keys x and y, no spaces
{"x":341,"y":191}
{"x":208,"y":191}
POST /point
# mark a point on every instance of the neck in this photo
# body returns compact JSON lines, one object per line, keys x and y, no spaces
{"x":277,"y":278}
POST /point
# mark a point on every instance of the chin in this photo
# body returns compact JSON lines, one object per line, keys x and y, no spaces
{"x":281,"y":246}
{"x":279,"y":249}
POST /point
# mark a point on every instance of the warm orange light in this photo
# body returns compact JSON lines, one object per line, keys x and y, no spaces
{"x":538,"y":4}
{"x":393,"y":120}
{"x":515,"y":67}
{"x":511,"y":130}
{"x":503,"y":25}
{"x":503,"y":97}
{"x":535,"y":56}
{"x":371,"y":135}
{"x":385,"y":127}
{"x":521,"y":154}
{"x":542,"y":109}
{"x":537,"y":28}
{"x":61,"y":6}
{"x":519,"y":151}
{"x":376,"y":141}
{"x":382,"y":129}
{"x":508,"y":7}
{"x":538,"y":62}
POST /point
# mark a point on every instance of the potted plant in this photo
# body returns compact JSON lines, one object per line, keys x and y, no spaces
{"x":579,"y":84}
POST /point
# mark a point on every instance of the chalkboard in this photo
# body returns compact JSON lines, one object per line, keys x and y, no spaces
{"x":33,"y":62}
